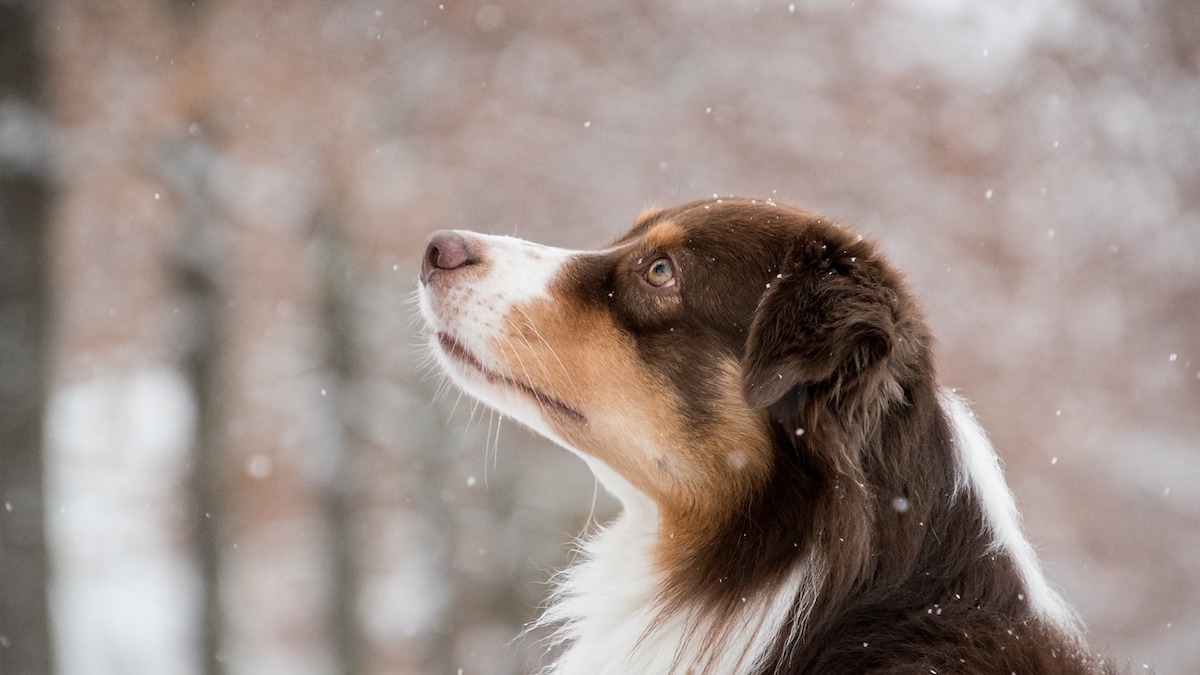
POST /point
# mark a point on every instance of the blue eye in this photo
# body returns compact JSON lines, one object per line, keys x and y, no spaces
{"x":661,"y":273}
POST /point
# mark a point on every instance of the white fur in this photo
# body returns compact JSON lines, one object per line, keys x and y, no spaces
{"x":518,"y":271}
{"x":981,"y":473}
{"x":474,"y":314}
{"x":607,"y":611}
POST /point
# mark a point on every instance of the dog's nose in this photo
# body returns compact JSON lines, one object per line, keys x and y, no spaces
{"x":447,"y":250}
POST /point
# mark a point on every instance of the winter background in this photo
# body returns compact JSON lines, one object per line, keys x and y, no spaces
{"x":247,"y":468}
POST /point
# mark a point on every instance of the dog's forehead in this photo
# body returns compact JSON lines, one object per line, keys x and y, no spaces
{"x":724,"y":222}
{"x":663,"y":234}
{"x":642,"y":225}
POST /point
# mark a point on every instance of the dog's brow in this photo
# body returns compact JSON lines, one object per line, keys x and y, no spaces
{"x":663,"y":234}
{"x":641,"y":226}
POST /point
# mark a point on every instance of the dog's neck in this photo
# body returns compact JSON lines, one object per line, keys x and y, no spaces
{"x":608,"y":613}
{"x":613,"y":611}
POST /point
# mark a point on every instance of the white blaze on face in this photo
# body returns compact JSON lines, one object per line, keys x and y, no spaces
{"x":510,"y":333}
{"x":476,"y":307}
{"x":514,"y":272}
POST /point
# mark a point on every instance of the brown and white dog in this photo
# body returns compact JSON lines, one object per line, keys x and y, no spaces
{"x":756,"y":385}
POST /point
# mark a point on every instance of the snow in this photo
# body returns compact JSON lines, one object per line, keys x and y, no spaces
{"x":125,"y":589}
{"x":23,"y":136}
{"x":1030,"y":167}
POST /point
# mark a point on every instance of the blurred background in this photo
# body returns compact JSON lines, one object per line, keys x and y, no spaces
{"x":223,"y":448}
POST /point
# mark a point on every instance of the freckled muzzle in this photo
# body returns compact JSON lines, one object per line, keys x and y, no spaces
{"x":475,"y":293}
{"x":515,"y":327}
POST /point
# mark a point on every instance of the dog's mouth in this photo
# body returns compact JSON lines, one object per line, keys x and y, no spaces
{"x":454,"y":349}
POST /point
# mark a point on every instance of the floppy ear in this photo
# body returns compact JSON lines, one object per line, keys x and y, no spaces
{"x":828,"y":316}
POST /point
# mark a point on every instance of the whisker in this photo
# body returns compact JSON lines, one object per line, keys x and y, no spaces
{"x":541,"y":364}
{"x":491,"y":448}
{"x":442,"y":388}
{"x":487,"y":442}
{"x":550,"y":348}
{"x":456,"y":402}
{"x":591,"y":517}
{"x":507,"y":345}
{"x":474,"y":411}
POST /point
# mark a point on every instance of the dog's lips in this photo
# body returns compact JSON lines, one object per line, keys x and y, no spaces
{"x":454,"y":349}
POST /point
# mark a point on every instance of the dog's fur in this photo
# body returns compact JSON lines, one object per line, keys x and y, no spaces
{"x":799,"y":495}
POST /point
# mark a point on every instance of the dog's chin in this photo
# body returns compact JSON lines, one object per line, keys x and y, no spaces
{"x":503,"y":393}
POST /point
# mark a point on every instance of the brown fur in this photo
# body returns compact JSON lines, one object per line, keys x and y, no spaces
{"x":774,"y":403}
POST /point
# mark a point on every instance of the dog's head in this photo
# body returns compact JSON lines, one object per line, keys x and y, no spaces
{"x":684,"y":357}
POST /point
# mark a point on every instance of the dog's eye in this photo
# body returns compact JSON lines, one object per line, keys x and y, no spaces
{"x":660,"y":273}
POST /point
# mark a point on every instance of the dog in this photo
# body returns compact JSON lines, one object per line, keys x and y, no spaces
{"x":755,"y":384}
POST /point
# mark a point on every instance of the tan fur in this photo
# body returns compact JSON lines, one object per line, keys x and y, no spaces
{"x":576,"y":355}
{"x":662,"y":235}
{"x":775,"y":403}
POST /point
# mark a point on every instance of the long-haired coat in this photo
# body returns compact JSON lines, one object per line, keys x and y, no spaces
{"x":756,"y":385}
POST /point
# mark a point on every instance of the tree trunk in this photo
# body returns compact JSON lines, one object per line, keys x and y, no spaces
{"x":25,"y":200}
{"x":198,"y":271}
{"x":338,"y":293}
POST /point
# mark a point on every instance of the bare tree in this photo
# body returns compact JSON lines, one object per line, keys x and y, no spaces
{"x":198,"y":271}
{"x":338,"y":293}
{"x":26,"y":193}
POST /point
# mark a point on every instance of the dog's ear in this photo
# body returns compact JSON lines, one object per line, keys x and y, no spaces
{"x":827,"y":315}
